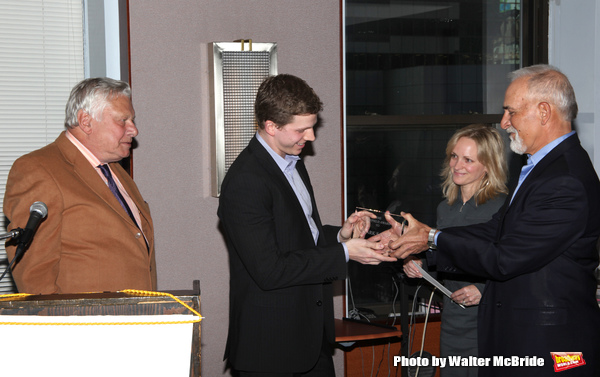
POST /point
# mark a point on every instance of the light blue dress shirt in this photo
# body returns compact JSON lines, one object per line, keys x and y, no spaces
{"x":288,"y":167}
{"x":533,"y":159}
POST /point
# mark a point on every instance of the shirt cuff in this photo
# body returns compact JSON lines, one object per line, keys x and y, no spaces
{"x":344,"y":246}
{"x":346,"y":252}
{"x":435,"y":238}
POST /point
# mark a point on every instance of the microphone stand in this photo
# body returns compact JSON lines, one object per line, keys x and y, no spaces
{"x":15,"y":233}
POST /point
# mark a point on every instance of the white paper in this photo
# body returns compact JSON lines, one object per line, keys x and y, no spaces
{"x":96,"y":350}
{"x":436,"y":283}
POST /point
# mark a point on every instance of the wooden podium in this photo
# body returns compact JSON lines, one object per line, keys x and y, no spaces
{"x":110,"y":304}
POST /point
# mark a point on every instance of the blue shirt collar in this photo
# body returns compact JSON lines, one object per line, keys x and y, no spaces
{"x":287,"y":163}
{"x":539,"y":155}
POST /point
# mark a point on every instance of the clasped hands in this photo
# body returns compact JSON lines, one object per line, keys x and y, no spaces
{"x":401,"y":241}
{"x":398,"y":242}
{"x":361,"y":250}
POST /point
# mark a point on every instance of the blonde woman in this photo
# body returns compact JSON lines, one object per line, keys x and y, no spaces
{"x":474,"y":178}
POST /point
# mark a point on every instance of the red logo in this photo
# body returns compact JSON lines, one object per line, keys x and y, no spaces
{"x":567,"y":360}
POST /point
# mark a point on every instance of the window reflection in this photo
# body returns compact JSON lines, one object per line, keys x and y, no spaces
{"x":415,"y":72}
{"x":429,"y":57}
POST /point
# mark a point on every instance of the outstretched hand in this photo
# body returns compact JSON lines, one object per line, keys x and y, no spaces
{"x":414,"y":239}
{"x":356,"y":226}
{"x":367,"y":252}
{"x":386,"y":238}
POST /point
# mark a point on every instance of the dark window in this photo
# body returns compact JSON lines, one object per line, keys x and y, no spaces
{"x":415,"y":72}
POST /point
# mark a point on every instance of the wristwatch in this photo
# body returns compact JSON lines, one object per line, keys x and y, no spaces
{"x":431,"y":239}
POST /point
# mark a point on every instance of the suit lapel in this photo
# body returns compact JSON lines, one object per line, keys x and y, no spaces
{"x":539,"y":168}
{"x":315,"y":213}
{"x":271,"y":166}
{"x":305,"y":178}
{"x":89,"y":176}
{"x":131,"y":188}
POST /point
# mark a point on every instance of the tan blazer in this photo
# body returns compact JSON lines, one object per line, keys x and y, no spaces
{"x":87,"y":243}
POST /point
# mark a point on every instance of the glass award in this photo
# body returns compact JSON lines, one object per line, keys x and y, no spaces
{"x":380,"y":224}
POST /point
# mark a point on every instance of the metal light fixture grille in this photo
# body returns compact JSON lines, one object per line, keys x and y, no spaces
{"x":237,"y":74}
{"x":242,"y":74}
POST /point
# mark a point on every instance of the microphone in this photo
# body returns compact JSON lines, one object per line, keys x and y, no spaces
{"x":37,"y":212}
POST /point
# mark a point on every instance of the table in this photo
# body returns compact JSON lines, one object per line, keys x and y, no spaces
{"x":348,"y":331}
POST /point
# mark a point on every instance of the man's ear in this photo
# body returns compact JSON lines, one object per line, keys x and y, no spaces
{"x":84,"y":121}
{"x":545,"y":111}
{"x":270,"y":127}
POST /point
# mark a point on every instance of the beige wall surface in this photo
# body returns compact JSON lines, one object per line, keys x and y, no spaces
{"x":170,"y":79}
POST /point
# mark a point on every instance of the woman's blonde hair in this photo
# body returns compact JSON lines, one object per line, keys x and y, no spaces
{"x":490,"y":152}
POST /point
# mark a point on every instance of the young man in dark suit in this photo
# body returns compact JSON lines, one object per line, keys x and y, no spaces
{"x":539,"y":251}
{"x":282,"y":259}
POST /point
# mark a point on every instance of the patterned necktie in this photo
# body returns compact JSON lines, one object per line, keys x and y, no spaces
{"x":115,"y":190}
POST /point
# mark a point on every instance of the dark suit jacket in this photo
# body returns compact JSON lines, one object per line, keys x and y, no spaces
{"x":281,"y":299}
{"x":87,"y":243}
{"x":539,"y":254}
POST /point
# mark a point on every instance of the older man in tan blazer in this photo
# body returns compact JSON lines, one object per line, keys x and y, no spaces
{"x":92,"y":239}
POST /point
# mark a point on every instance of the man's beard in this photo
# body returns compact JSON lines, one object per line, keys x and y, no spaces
{"x":516,"y":143}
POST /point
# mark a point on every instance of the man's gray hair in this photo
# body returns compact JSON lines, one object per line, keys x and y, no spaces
{"x":92,"y":95}
{"x":548,"y":84}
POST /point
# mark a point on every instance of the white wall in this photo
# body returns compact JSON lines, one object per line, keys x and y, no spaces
{"x":170,"y":78}
{"x":574,"y":47}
